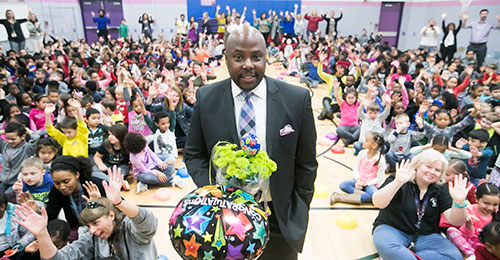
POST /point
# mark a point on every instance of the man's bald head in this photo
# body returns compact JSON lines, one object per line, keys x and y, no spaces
{"x":245,"y":33}
{"x":246,"y":56}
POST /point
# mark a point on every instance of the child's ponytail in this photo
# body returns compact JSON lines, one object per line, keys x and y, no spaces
{"x":379,"y":140}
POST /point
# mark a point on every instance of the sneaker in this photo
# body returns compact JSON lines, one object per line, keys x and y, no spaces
{"x":322,"y":116}
{"x":346,"y":143}
{"x":177,"y":181}
{"x":125,"y":185}
{"x":141,"y":187}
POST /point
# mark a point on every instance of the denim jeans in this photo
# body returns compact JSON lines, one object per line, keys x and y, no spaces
{"x":124,"y":170}
{"x":309,"y":82}
{"x":391,"y":244}
{"x":358,"y":146}
{"x":17,"y":46}
{"x":391,"y":158}
{"x":152,"y":179}
{"x":349,"y":133}
{"x":366,"y":196}
{"x":475,"y":181}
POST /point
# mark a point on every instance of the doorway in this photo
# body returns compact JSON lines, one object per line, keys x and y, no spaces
{"x":390,"y":21}
{"x":113,"y":7}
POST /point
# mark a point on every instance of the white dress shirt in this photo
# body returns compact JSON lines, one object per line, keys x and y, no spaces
{"x":259,"y":101}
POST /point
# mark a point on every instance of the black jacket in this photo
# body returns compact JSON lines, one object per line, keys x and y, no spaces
{"x":455,"y":32}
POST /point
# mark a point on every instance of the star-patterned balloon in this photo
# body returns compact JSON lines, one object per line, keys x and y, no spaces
{"x":219,"y":222}
{"x":237,"y":225}
{"x":178,"y":210}
{"x":208,"y":255}
{"x":234,"y":252}
{"x":251,"y":247}
{"x":191,"y":247}
{"x":197,"y":222}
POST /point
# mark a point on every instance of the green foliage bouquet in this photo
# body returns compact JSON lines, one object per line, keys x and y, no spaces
{"x":247,"y":168}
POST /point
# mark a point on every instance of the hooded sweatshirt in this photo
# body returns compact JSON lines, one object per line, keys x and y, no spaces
{"x":13,"y":157}
{"x":133,"y":240}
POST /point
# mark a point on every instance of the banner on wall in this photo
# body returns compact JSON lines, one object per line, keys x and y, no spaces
{"x":208,"y":2}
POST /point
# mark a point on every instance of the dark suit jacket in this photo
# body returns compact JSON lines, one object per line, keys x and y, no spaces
{"x":292,"y":185}
{"x":455,"y":32}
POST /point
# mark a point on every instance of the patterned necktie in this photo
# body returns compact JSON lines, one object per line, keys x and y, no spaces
{"x":247,"y":115}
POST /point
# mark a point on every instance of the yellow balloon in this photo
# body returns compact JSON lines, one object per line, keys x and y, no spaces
{"x":320,"y":192}
{"x":347,"y":221}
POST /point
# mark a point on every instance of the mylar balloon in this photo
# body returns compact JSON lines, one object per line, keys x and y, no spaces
{"x":250,"y":144}
{"x":219,"y":222}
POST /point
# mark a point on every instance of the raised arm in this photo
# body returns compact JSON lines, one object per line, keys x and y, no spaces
{"x":294,"y":14}
{"x":112,"y":189}
{"x":383,"y":197}
{"x":443,"y":23}
{"x":465,"y":17}
{"x":458,"y":192}
{"x":217,"y":12}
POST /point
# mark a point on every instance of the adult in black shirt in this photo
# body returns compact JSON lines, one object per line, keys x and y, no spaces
{"x":15,"y":34}
{"x":69,"y":175}
{"x":331,"y":24}
{"x":416,"y":193}
{"x":145,"y":20}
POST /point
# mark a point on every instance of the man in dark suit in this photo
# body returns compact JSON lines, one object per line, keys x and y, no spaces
{"x":281,"y":117}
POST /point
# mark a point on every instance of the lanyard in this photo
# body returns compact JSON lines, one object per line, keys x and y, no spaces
{"x":420,"y":209}
{"x":77,"y":208}
{"x":420,"y":216}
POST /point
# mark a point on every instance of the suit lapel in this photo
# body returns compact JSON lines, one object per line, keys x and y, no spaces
{"x":272,"y":127}
{"x":228,"y":106}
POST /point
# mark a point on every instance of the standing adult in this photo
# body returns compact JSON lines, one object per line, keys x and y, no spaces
{"x":102,"y":23}
{"x":281,"y":117}
{"x":193,"y":29}
{"x":14,"y":31}
{"x":449,"y":44}
{"x":312,"y":26}
{"x":275,"y":34}
{"x":221,"y":21}
{"x":262,"y":23}
{"x":430,"y":36}
{"x":35,"y":30}
{"x":204,"y":25}
{"x":145,"y":20}
{"x":182,"y":25}
{"x":331,"y":24}
{"x":299,"y":27}
{"x":479,"y":34}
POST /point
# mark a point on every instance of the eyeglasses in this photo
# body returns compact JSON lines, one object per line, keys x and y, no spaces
{"x":93,"y":205}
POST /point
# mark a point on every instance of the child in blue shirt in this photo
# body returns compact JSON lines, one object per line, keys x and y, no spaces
{"x":34,"y":180}
{"x":481,"y":155}
{"x":312,"y":80}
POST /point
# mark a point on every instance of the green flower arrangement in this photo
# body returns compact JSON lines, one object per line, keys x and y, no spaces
{"x":239,"y":164}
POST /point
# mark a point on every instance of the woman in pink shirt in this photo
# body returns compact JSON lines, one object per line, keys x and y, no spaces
{"x":480,"y":214}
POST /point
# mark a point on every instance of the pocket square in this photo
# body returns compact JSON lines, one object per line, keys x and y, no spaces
{"x":286,"y":130}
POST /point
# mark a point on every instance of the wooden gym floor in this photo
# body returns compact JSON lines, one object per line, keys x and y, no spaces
{"x":324,"y":239}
